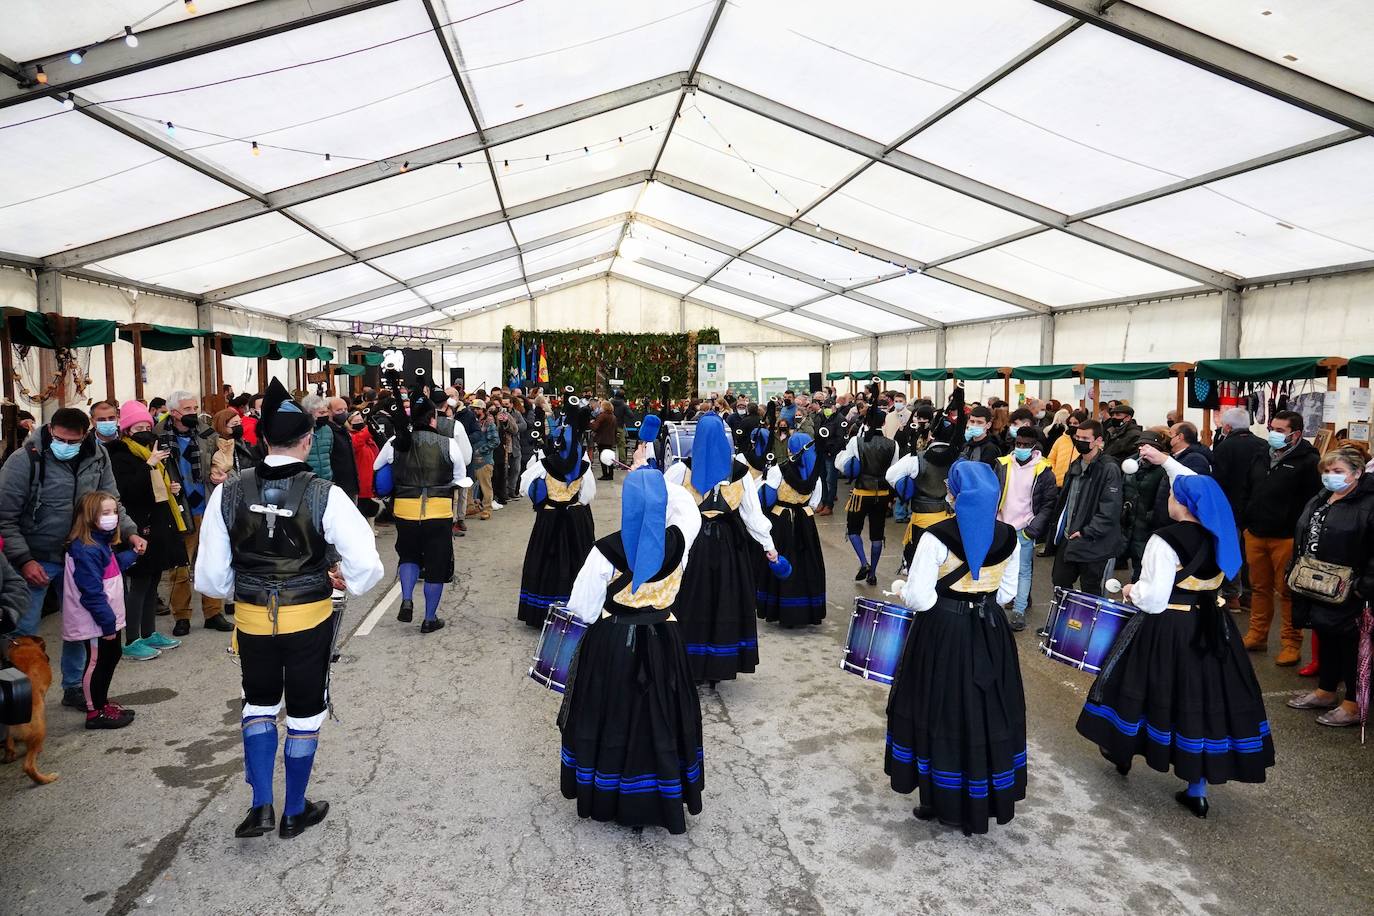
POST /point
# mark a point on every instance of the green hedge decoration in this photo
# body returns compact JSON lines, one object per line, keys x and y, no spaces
{"x":575,"y":356}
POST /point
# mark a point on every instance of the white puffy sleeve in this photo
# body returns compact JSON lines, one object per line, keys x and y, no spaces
{"x":815,"y":495}
{"x":588,"y":598}
{"x":1158,"y":564}
{"x":918,"y":592}
{"x":683,"y":515}
{"x":676,"y":474}
{"x":752,"y":512}
{"x":214,"y":574}
{"x":533,"y":471}
{"x":345,"y":528}
{"x":1175,"y":468}
{"x":385,"y":456}
{"x":851,"y":450}
{"x":587,"y":492}
{"x":458,"y":459}
{"x":774,"y":476}
{"x":906,"y":466}
{"x":1011,"y":575}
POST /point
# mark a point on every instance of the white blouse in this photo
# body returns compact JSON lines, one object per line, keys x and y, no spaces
{"x":588,"y":598}
{"x":750,"y":510}
{"x":906,"y":466}
{"x":774,"y":480}
{"x":918,"y":592}
{"x":1159,"y":562}
{"x":535,"y":469}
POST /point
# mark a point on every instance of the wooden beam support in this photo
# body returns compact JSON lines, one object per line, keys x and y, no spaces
{"x":109,"y":373}
{"x":138,"y":362}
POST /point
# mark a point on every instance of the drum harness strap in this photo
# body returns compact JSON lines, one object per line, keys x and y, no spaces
{"x":976,"y":604}
{"x":1127,"y":636}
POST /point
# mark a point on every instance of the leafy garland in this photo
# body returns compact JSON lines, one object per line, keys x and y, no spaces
{"x":574,"y":357}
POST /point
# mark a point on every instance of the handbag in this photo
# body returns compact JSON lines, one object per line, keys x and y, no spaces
{"x":1329,"y":583}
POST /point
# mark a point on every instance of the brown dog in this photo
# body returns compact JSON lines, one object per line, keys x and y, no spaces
{"x":30,"y":655}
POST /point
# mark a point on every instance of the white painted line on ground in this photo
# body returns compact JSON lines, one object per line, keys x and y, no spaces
{"x":378,"y":610}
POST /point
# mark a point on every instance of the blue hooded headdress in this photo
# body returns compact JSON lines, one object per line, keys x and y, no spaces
{"x":976,"y":494}
{"x":1203,"y":497}
{"x":795,"y":444}
{"x":564,"y":449}
{"x":643,"y":523}
{"x":712,"y":454}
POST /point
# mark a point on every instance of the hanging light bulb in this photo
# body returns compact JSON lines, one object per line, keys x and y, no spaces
{"x":39,"y":76}
{"x":405,"y":166}
{"x":68,"y":102}
{"x":190,"y":7}
{"x":256,"y":151}
{"x":505,"y":164}
{"x":77,"y":56}
{"x":130,"y":38}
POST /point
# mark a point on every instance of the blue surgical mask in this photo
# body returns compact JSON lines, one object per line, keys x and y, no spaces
{"x":107,"y":428}
{"x":1277,"y":440}
{"x":1334,"y":481}
{"x":972,"y":432}
{"x":65,"y":451}
{"x":1022,"y":454}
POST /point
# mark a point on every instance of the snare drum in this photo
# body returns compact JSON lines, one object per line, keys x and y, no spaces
{"x":877,"y":633}
{"x":557,"y":643}
{"x":680,"y":436}
{"x":1082,"y":628}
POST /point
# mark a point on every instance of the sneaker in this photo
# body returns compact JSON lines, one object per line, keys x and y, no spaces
{"x":460,"y":525}
{"x":112,"y":716}
{"x":73,"y":697}
{"x":158,"y":641}
{"x":459,"y":532}
{"x":139,"y":651}
{"x":181,"y":628}
{"x":407,"y":610}
{"x":1016,"y":621}
{"x":497,"y":507}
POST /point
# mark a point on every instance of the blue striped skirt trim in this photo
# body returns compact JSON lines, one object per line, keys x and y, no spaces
{"x":635,"y":785}
{"x":954,"y":780}
{"x":804,"y":601}
{"x":543,"y":601}
{"x":709,"y":649}
{"x":1224,"y":745}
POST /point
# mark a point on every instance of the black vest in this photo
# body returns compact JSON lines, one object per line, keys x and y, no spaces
{"x":1197,"y":561}
{"x":931,"y":479}
{"x":278,"y":559}
{"x":875,"y":456}
{"x":425,"y":469}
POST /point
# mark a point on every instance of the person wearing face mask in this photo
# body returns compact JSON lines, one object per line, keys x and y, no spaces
{"x":365,"y":451}
{"x":105,"y":420}
{"x":1062,"y":453}
{"x":1337,"y":527}
{"x":1087,"y":518}
{"x":979,"y":444}
{"x":1281,"y":484}
{"x":830,"y":440}
{"x":232,"y":454}
{"x":341,"y":460}
{"x":191,"y":440}
{"x":149,"y":491}
{"x":1053,"y":428}
{"x":1121,"y":437}
{"x":322,"y":446}
{"x":40,"y":485}
{"x":1028,"y":496}
{"x":1186,"y":448}
{"x":1234,"y":457}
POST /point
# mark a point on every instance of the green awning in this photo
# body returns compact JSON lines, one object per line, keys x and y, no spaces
{"x":1127,"y":372}
{"x":375,"y":357}
{"x":1261,"y":369}
{"x":1360,"y":367}
{"x":978,"y":374}
{"x":1045,"y":373}
{"x":350,"y":369}
{"x":247,"y":347}
{"x":324,"y":354}
{"x":288,"y":350}
{"x":165,"y":337}
{"x":31,"y":330}
{"x":836,"y":376}
{"x":929,"y":375}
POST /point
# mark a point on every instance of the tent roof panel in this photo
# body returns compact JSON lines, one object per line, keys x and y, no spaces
{"x":446,"y":252}
{"x":687,"y":211}
{"x":379,"y":309}
{"x":669,"y":249}
{"x":39,"y":29}
{"x":776,"y":287}
{"x":729,"y":300}
{"x":577,"y":213}
{"x":468,"y":281}
{"x":822,"y":258}
{"x":633,"y":270}
{"x":793,"y":321}
{"x":938,"y":300}
{"x":856,"y":313}
{"x":299,"y":295}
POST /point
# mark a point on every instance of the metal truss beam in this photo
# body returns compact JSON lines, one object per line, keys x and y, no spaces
{"x":363,"y":175}
{"x":1216,"y":56}
{"x":177,"y":41}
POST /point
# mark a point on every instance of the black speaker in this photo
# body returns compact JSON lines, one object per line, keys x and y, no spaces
{"x":456,"y":377}
{"x":817,"y":383}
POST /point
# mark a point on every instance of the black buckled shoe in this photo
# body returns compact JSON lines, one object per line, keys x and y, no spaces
{"x":295,"y":824}
{"x":181,"y":628}
{"x":862,"y":574}
{"x":1196,"y":804}
{"x":407,"y":611}
{"x":260,"y":820}
{"x":1123,"y":768}
{"x":872,"y":577}
{"x":218,"y":622}
{"x":924,"y":813}
{"x":429,"y":626}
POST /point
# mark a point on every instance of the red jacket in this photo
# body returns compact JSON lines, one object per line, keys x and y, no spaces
{"x":364,"y":453}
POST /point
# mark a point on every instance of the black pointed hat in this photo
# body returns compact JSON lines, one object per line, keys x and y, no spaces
{"x":282,"y":420}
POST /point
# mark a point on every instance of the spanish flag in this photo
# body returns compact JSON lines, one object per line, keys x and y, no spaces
{"x":543,"y":365}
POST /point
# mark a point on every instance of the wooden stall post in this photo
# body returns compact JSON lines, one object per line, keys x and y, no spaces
{"x":219,"y":359}
{"x":7,"y":357}
{"x":1181,"y":370}
{"x":1097,"y":396}
{"x":1207,"y":426}
{"x":1333,"y":366}
{"x":1081,"y":369}
{"x":207,"y":371}
{"x":262,"y":373}
{"x":918,"y":388}
{"x":137,"y":333}
{"x":109,"y":372}
{"x":1005,"y":372}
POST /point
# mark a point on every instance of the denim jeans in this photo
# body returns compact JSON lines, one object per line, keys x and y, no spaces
{"x":1023,"y":582}
{"x":73,"y":653}
{"x":830,"y":479}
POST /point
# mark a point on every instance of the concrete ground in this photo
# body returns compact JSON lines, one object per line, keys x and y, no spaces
{"x":443,"y":777}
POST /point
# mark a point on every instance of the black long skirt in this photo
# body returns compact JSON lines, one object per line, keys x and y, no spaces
{"x":798,"y":600}
{"x":559,"y":543}
{"x":1182,"y":706}
{"x":631,"y":725}
{"x":956,"y":718}
{"x":716,"y":602}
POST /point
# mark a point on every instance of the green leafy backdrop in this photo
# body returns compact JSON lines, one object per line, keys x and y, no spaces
{"x":575,"y":356}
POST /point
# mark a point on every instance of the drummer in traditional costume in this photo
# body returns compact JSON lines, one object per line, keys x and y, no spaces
{"x":631,"y":719}
{"x":918,"y":477}
{"x":866,"y":460}
{"x":956,"y":716}
{"x":716,"y":604}
{"x":267,"y":541}
{"x":561,"y":492}
{"x":1177,"y":687}
{"x":793,"y":490}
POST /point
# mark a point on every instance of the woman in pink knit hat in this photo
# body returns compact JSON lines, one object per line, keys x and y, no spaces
{"x":150,"y":496}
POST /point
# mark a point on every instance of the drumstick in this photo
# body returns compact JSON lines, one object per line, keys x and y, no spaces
{"x":608,"y":457}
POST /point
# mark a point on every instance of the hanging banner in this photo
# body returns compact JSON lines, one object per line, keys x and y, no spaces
{"x":749,"y":389}
{"x":772,"y":387}
{"x":710,"y":369}
{"x":1117,"y":391}
{"x":799,"y":385}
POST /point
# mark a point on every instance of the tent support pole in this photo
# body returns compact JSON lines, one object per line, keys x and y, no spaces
{"x":7,"y":358}
{"x":138,"y":363}
{"x":109,"y":372}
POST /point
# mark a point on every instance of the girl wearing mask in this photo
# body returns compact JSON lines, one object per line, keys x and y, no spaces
{"x":149,"y":493}
{"x":365,"y":450}
{"x":1062,"y":452}
{"x":93,"y":603}
{"x":1337,"y":526}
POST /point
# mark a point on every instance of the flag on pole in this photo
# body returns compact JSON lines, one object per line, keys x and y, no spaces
{"x":524,"y":369}
{"x":543,"y":365}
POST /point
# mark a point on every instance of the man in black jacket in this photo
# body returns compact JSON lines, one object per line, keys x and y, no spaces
{"x":1185,"y":448}
{"x":1280,"y":486}
{"x":1087,"y":518}
{"x":341,"y":458}
{"x":1121,"y":432}
{"x":830,"y":440}
{"x":1234,"y":459}
{"x":978,"y":442}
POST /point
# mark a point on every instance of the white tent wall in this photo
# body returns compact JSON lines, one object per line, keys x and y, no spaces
{"x":240,"y":372}
{"x":17,"y":289}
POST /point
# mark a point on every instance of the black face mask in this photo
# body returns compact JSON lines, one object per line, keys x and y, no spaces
{"x":236,"y":433}
{"x":190,"y":421}
{"x":146,"y":438}
{"x":358,"y":426}
{"x":1082,"y":447}
{"x":1112,"y":422}
{"x":339,"y":418}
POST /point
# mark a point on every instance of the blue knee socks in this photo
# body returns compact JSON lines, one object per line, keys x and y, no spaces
{"x":877,"y":548}
{"x":259,"y":756}
{"x":409,"y":574}
{"x":857,"y":543}
{"x":433,"y":592}
{"x":299,"y":757}
{"x":1197,"y":789}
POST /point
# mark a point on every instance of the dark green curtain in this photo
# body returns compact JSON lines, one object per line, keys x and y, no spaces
{"x":975,"y":374}
{"x":31,"y":329}
{"x":323,"y":354}
{"x":350,"y":369}
{"x":929,"y":375}
{"x":1044,"y":373}
{"x":247,"y":347}
{"x":166,"y":337}
{"x":836,"y":376}
{"x":287,"y":350}
{"x":1361,"y":367}
{"x":1260,"y":370}
{"x":1128,"y":372}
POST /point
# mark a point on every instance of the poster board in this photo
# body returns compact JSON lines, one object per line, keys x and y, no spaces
{"x":772,"y":387}
{"x":711,"y":369}
{"x":748,"y":389}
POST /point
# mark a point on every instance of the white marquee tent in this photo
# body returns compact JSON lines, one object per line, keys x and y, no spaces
{"x":839,"y":186}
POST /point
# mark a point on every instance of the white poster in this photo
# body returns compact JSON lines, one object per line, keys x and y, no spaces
{"x":1359,"y":431}
{"x":1312,"y":406}
{"x":710,"y":369}
{"x":1359,"y":402}
{"x":772,"y":387}
{"x":1117,"y":391}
